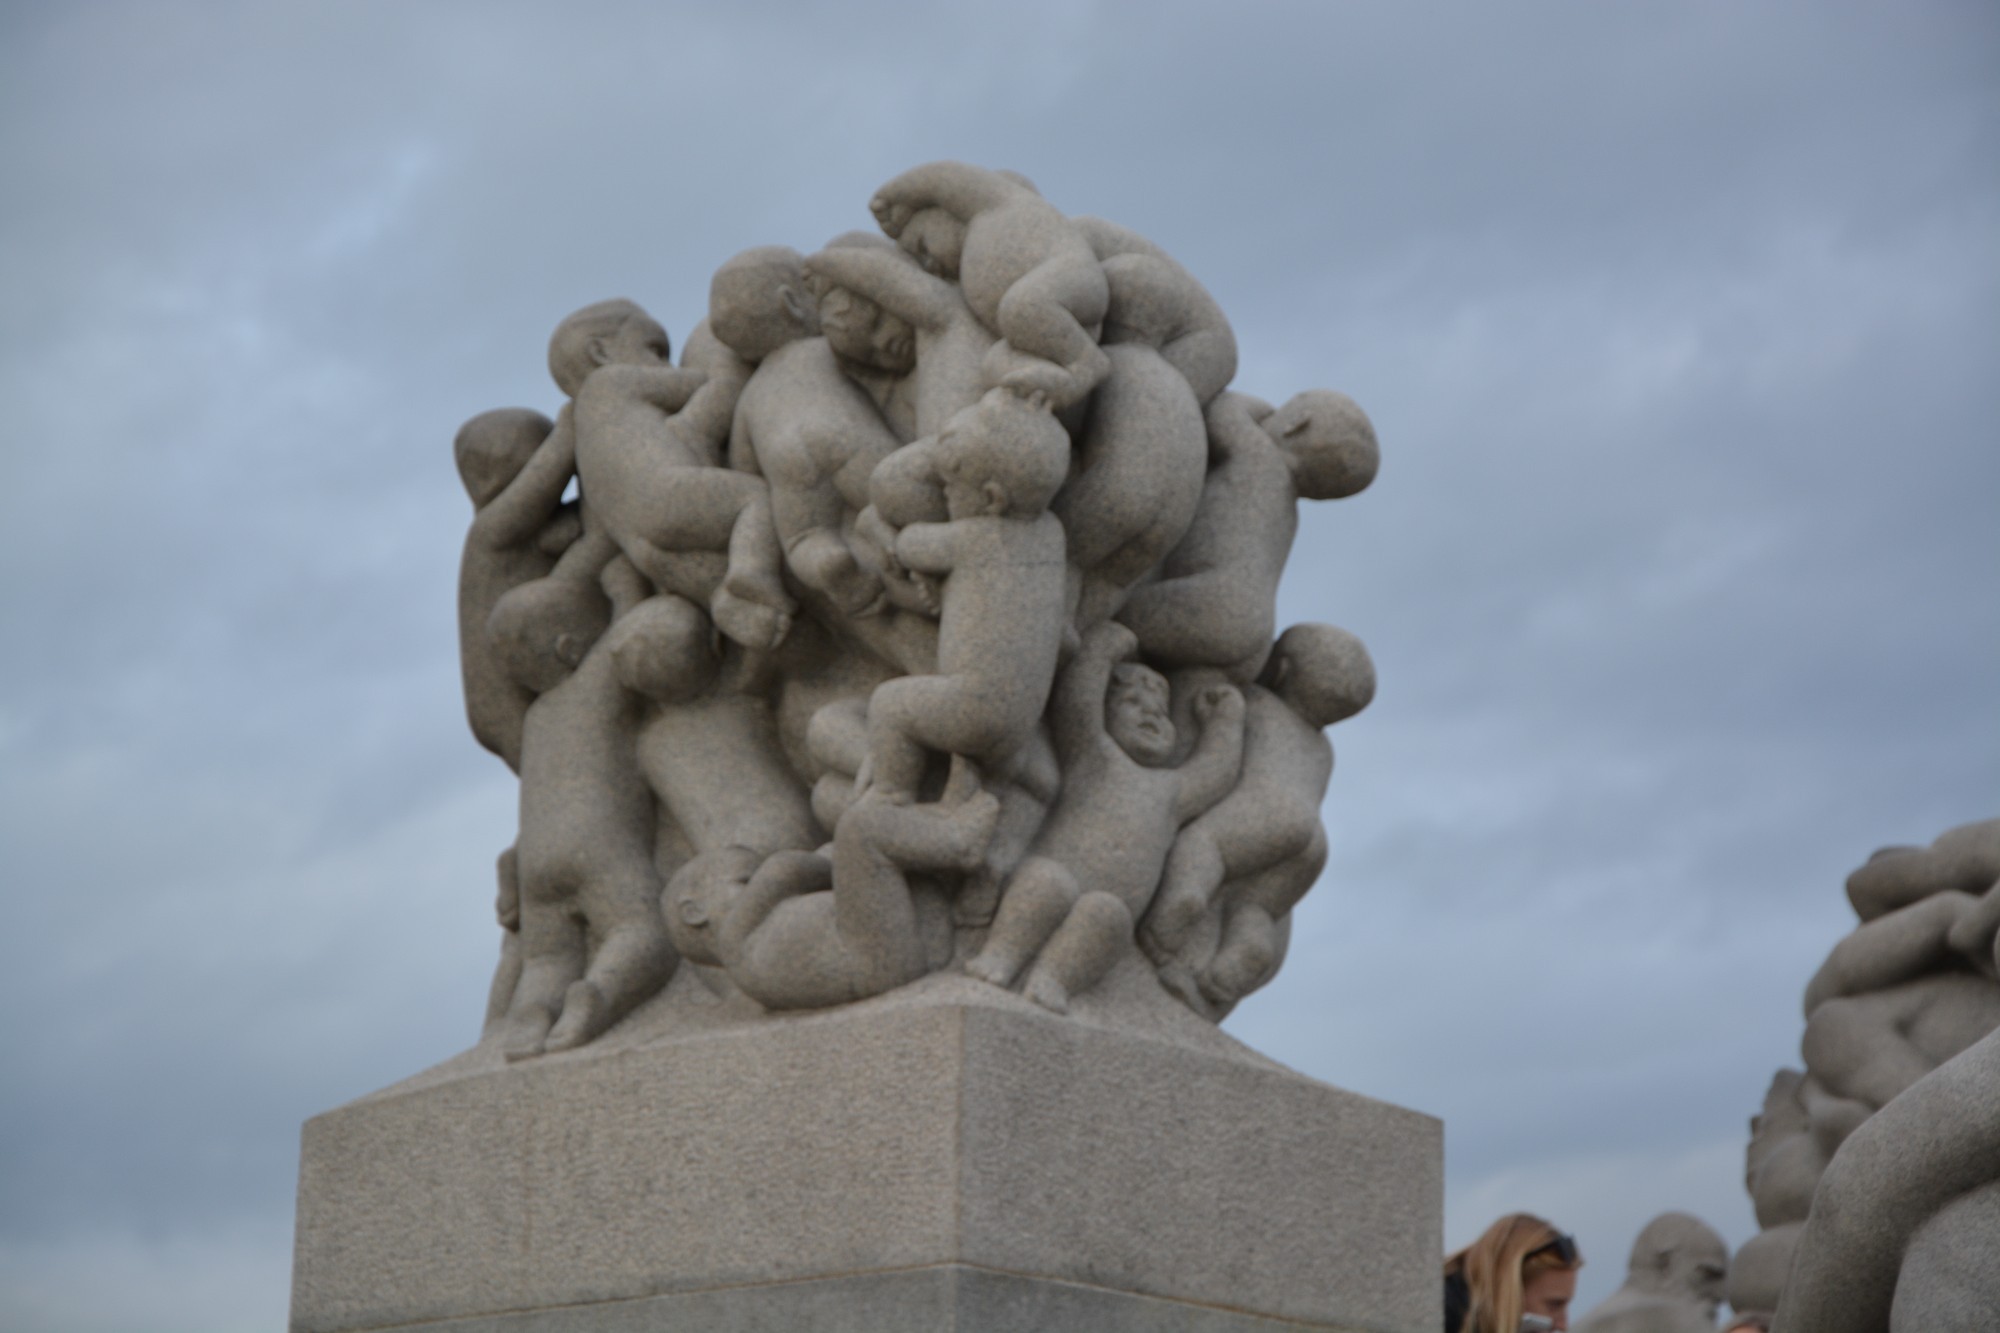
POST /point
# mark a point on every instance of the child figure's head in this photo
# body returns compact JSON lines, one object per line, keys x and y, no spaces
{"x":1138,"y":714}
{"x":493,"y":447}
{"x":1005,"y":456}
{"x":664,"y":649}
{"x":935,"y":239}
{"x":699,"y":896}
{"x":1323,"y":673}
{"x":1330,"y":442}
{"x":607,"y":332}
{"x":758,"y":302}
{"x":542,"y":629}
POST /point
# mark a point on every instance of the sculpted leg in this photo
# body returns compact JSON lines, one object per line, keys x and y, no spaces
{"x":633,"y":960}
{"x":1032,"y":906}
{"x":1082,"y":950}
{"x":552,"y":958}
{"x":1043,"y":315}
{"x":1194,"y":871}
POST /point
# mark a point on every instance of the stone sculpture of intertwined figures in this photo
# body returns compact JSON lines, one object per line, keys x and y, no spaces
{"x":920,"y":620}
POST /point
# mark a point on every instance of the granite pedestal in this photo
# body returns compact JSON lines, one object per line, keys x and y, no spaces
{"x":947,"y":1157}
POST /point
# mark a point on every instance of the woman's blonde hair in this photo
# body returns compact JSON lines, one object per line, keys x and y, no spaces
{"x":1500,"y":1263}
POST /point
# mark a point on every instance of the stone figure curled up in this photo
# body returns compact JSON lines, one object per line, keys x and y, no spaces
{"x":803,"y":930}
{"x":1026,"y":271}
{"x":652,"y":486}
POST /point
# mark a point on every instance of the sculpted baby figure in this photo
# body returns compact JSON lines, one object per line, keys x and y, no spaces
{"x":810,"y":430}
{"x":1216,"y":598}
{"x":1000,"y":620}
{"x":1094,"y":866}
{"x":593,"y":944}
{"x":515,"y":468}
{"x":1157,"y":302}
{"x":800,"y":930}
{"x":1263,"y":845}
{"x":650,"y":483}
{"x":1026,"y":270}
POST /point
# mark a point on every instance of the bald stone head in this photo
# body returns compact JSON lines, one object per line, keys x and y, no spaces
{"x":1679,"y":1255}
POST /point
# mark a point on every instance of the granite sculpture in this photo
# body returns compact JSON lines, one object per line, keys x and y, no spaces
{"x":912,"y":775}
{"x":920,"y":620}
{"x":1673,"y":1281}
{"x":1883,"y":1155}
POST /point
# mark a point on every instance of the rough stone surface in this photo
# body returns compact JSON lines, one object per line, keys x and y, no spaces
{"x":1892,"y":1120}
{"x":1673,"y":1282}
{"x":949,"y":1124}
{"x":921,"y":618}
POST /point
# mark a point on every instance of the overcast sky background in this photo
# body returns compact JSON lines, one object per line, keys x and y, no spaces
{"x":1678,"y":323}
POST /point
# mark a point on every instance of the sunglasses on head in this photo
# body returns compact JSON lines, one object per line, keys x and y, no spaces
{"x":1562,"y":1247}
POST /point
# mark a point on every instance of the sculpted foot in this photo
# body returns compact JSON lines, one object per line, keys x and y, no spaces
{"x":582,"y":1018}
{"x":526,"y":1035}
{"x":1167,"y":926}
{"x":1180,"y":983}
{"x":1046,"y":991}
{"x":752,"y":624}
{"x":1234,"y":974}
{"x":993,"y":969}
{"x":969,"y":828}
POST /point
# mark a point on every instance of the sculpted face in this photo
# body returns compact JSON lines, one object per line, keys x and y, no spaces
{"x":1702,"y":1274}
{"x":858,"y":330}
{"x":640,"y":341}
{"x":935,"y":239}
{"x":1137,"y":715}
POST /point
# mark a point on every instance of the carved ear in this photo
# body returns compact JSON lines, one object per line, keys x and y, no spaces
{"x":567,"y":650}
{"x":795,"y":303}
{"x":693,"y":912}
{"x":996,"y":497}
{"x":598,"y":351}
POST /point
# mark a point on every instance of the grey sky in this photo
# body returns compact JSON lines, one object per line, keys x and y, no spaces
{"x":1677,"y":321}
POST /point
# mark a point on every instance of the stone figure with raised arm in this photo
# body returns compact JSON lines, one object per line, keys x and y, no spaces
{"x":1026,"y":270}
{"x":1214,"y":603}
{"x":650,"y":484}
{"x":801,"y":422}
{"x":999,"y":560}
{"x":1093,"y":868}
{"x":1257,"y":852}
{"x":515,"y":468}
{"x":802,"y":930}
{"x":593,"y":944}
{"x":1153,"y":300}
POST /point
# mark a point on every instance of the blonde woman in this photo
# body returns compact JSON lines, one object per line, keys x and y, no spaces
{"x":1517,"y":1278}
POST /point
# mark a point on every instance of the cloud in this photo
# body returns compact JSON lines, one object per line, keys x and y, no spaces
{"x":1677,"y":329}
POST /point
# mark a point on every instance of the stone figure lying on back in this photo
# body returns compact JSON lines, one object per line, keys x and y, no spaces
{"x":858,"y":657}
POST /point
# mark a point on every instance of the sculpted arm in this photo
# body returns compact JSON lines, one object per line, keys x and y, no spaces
{"x":517,"y":515}
{"x":1895,"y":948}
{"x":927,"y":548}
{"x":665,"y":387}
{"x":1076,"y":713}
{"x":957,"y":187}
{"x":889,"y":278}
{"x":1211,"y":772}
